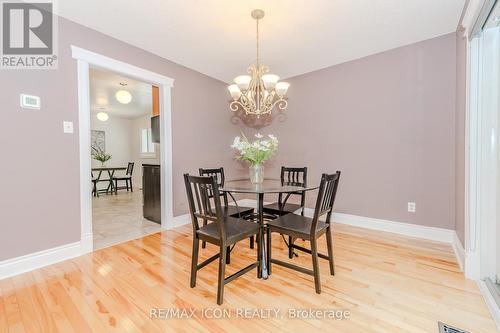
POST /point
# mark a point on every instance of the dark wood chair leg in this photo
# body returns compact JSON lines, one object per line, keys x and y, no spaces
{"x":194,"y":261}
{"x":290,"y":248}
{"x":203,"y":243}
{"x":222,"y":271}
{"x":252,"y":242}
{"x":269,"y":247}
{"x":329,"y":244}
{"x":126,"y":184}
{"x":314,"y":253}
{"x":228,"y":255}
{"x":259,"y":254}
{"x":131,"y":188}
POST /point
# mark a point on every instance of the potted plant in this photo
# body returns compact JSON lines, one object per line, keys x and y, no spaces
{"x":99,"y":155}
{"x":255,"y":153}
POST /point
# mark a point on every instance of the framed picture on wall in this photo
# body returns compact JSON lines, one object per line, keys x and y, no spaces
{"x":98,"y":140}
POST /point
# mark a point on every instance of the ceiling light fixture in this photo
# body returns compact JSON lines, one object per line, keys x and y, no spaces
{"x":102,"y":116}
{"x":123,"y":96}
{"x":259,"y":92}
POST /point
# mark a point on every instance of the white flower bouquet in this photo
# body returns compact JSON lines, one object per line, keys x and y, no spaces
{"x":255,"y":153}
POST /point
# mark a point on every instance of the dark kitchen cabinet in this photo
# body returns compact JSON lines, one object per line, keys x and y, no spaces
{"x":155,"y":129}
{"x":151,"y":191}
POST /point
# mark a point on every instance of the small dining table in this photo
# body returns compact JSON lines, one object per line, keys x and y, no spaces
{"x":269,"y":186}
{"x":111,"y":172}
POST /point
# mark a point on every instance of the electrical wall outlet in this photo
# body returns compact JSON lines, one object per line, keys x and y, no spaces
{"x":68,"y":127}
{"x":412,"y":207}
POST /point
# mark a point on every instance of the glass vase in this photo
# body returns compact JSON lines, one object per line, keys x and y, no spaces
{"x":256,"y":174}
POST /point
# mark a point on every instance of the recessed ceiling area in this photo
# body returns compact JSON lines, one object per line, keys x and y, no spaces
{"x":217,"y":37}
{"x":103,"y":88}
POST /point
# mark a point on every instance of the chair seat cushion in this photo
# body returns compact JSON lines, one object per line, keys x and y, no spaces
{"x":232,"y":211}
{"x":295,"y":225}
{"x":122,"y":177}
{"x":236,"y":230}
{"x":275,"y":209}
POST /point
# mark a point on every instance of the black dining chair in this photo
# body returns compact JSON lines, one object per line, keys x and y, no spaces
{"x":228,"y":210}
{"x":95,"y":193}
{"x":295,"y":177}
{"x":224,"y":231}
{"x":309,"y":229}
{"x":127,"y":178}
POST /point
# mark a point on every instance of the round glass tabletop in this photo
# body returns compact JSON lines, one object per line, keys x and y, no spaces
{"x":268,"y":186}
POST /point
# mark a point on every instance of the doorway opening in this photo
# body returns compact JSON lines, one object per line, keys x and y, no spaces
{"x":87,"y":62}
{"x":123,"y":151}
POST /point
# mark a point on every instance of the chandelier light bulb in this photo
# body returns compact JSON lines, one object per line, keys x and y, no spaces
{"x":234,"y":91}
{"x":282,"y":88}
{"x":102,"y":116}
{"x":123,"y":96}
{"x":270,"y":80}
{"x":243,"y":81}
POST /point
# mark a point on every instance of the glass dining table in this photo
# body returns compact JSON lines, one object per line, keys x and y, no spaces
{"x":268,"y":186}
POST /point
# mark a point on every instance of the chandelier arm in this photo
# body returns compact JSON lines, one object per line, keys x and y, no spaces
{"x":281,"y":103}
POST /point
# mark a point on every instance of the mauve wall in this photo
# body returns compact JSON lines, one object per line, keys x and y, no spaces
{"x":461,"y":50}
{"x":387,"y":122}
{"x":39,"y":195}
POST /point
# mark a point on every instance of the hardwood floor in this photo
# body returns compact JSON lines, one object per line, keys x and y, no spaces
{"x":388,"y":283}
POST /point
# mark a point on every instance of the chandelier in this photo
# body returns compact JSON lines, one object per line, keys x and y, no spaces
{"x":259,"y":92}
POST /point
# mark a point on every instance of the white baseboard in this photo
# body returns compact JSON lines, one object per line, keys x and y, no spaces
{"x":180,"y":221}
{"x":400,"y":228}
{"x":459,"y":251}
{"x":29,"y":262}
{"x":490,"y":302}
{"x":406,"y":229}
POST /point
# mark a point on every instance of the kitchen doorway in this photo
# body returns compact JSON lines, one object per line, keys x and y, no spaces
{"x":86,"y":60}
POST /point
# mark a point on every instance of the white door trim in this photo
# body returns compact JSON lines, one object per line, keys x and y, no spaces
{"x":85,"y":59}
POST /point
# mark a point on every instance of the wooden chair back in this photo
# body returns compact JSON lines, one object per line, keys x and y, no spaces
{"x":130,"y":168}
{"x":326,"y":198}
{"x":204,"y":201}
{"x":294,"y":177}
{"x":218,"y":174}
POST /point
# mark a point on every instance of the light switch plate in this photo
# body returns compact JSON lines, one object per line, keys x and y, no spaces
{"x":412,"y":207}
{"x":68,"y":127}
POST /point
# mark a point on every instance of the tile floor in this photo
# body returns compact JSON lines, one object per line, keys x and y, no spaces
{"x":118,"y":218}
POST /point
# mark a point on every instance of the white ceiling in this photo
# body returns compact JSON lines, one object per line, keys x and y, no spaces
{"x":103,"y":87}
{"x":217,"y":37}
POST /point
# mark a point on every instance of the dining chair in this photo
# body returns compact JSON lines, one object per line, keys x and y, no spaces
{"x":127,"y":178}
{"x":309,"y":229}
{"x":229,"y":210}
{"x":295,"y":177}
{"x":95,"y":193}
{"x":224,"y":231}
